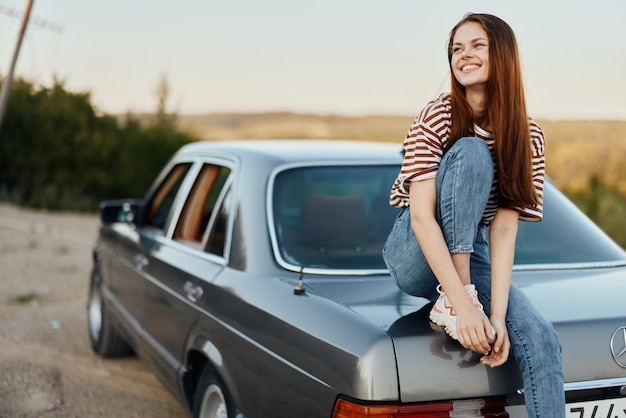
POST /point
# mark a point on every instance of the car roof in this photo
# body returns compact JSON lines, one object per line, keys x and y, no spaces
{"x":299,"y":150}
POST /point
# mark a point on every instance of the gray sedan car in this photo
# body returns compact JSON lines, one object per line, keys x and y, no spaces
{"x":250,"y":278}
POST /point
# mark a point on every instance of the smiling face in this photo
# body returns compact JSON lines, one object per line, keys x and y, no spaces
{"x":470,"y":56}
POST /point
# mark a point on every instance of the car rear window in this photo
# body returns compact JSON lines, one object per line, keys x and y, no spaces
{"x":338,"y":218}
{"x":565,"y":236}
{"x":333,"y":217}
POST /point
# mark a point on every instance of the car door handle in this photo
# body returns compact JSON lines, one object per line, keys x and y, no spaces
{"x":140,"y":261}
{"x":192,"y":291}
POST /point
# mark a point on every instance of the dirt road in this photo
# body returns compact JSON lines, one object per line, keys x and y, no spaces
{"x":47,"y":368}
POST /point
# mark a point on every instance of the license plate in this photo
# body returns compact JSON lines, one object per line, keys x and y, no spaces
{"x":608,"y":408}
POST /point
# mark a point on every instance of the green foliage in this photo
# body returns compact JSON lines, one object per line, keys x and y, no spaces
{"x":23,"y":298}
{"x":56,"y":152}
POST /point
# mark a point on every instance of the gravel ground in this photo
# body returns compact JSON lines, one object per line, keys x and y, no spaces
{"x":47,"y":368}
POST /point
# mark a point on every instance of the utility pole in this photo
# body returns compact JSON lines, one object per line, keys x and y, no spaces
{"x":8,"y":80}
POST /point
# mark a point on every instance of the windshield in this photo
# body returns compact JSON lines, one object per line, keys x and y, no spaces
{"x":338,"y":218}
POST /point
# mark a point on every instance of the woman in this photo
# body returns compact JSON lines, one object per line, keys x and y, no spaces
{"x":474,"y":166}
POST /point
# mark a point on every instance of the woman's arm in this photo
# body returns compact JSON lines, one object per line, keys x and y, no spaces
{"x":502,"y":236}
{"x":471,"y":323}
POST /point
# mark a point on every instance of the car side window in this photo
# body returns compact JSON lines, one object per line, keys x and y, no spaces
{"x":163,"y":199}
{"x":217,"y":235}
{"x":202,"y":207}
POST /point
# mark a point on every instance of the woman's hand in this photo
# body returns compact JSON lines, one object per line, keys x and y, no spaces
{"x":474,"y":330}
{"x":500,"y":352}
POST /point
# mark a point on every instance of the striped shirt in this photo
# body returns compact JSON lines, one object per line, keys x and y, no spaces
{"x":424,"y":145}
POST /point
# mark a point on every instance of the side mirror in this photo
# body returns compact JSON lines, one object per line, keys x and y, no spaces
{"x":116,"y":211}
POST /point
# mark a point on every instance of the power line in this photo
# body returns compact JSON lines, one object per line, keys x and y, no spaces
{"x":35,"y":21}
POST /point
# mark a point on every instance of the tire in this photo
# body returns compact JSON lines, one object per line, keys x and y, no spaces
{"x":105,"y":338}
{"x":211,"y":399}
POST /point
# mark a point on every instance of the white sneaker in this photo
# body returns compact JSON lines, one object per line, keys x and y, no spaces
{"x":443,"y":314}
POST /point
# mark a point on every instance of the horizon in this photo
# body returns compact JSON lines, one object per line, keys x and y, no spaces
{"x":334,"y":115}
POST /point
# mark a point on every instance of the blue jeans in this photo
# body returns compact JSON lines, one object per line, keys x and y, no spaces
{"x":463,"y":184}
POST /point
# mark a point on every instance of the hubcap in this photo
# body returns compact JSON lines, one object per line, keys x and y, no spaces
{"x":94,"y":313}
{"x":213,"y":403}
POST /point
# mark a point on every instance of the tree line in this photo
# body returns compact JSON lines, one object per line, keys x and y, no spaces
{"x":58,"y":152}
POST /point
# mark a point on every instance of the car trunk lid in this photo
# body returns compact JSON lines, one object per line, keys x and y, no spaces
{"x":585,"y":305}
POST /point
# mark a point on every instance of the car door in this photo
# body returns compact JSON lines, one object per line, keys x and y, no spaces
{"x":127,"y":278}
{"x":181,"y":264}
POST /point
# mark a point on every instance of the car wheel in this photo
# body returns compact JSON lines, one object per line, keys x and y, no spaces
{"x":211,"y":399}
{"x":104,"y":336}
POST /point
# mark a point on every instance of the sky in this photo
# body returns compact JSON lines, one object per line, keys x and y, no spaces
{"x":345,"y":57}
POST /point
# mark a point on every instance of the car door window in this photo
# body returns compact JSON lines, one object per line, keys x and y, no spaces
{"x":202,"y":206}
{"x":161,"y":202}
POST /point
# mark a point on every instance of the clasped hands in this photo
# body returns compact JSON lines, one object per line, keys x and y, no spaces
{"x":480,"y":334}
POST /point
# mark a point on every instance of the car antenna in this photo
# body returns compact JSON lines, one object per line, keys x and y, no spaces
{"x":299,"y":289}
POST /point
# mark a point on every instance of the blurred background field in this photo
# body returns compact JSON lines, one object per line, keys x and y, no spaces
{"x":58,"y":152}
{"x":586,"y":159}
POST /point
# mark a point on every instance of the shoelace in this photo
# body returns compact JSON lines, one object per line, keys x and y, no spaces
{"x":471,"y":291}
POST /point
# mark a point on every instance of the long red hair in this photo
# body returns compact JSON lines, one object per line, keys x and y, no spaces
{"x":506,"y":111}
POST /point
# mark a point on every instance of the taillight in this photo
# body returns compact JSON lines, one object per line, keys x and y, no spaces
{"x":487,"y":408}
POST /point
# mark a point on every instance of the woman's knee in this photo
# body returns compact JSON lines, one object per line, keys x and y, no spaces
{"x":474,"y":148}
{"x":470,"y":158}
